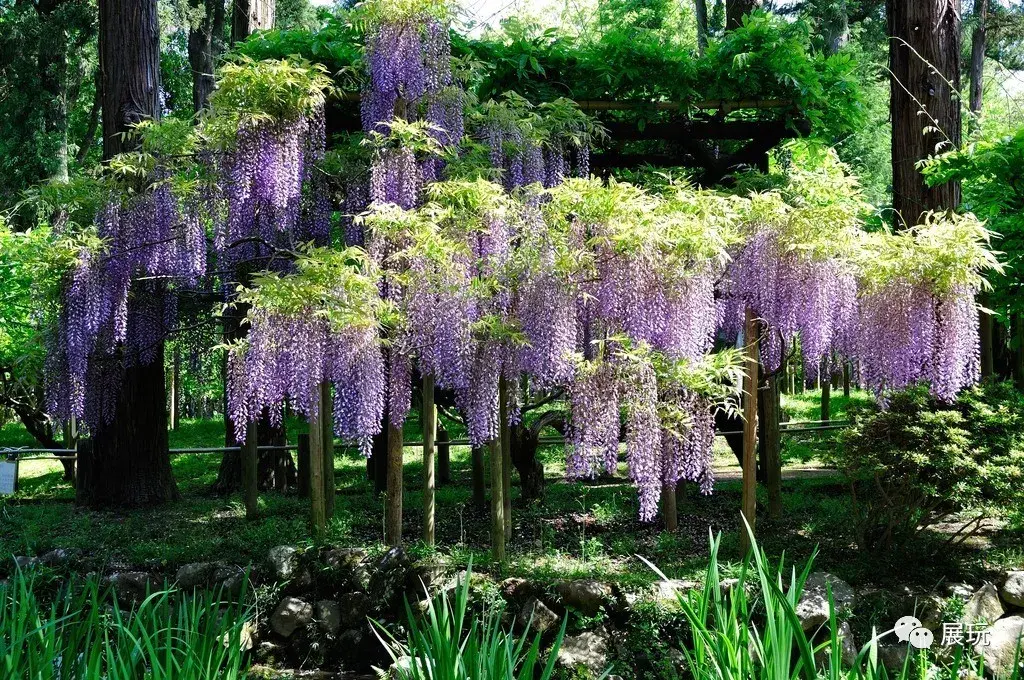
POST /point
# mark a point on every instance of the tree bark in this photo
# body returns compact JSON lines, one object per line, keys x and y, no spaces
{"x":750,"y":382}
{"x":826,"y":392}
{"x":669,"y":511}
{"x":979,"y":42}
{"x":479,"y":493}
{"x":924,"y":61}
{"x":735,"y":10}
{"x":773,"y":445}
{"x":129,"y":462}
{"x":444,"y":455}
{"x":249,"y":16}
{"x":701,"y":16}
{"x":250,"y":490}
{"x":393,"y":510}
{"x":498,"y":536}
{"x":835,"y":27}
{"x":205,"y":40}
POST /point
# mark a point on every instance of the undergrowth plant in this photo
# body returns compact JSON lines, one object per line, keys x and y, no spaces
{"x":83,"y":632}
{"x":750,"y":631}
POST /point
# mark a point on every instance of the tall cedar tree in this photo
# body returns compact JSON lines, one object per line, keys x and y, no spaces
{"x":128,"y":463}
{"x":924,"y":60}
{"x":735,"y":10}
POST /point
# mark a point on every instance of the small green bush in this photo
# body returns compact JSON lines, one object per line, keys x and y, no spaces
{"x":917,"y":461}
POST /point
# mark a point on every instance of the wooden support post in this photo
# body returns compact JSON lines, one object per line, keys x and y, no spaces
{"x":749,"y":498}
{"x":773,"y":446}
{"x":393,"y":511}
{"x":506,"y":454}
{"x":175,"y":390}
{"x":318,"y":507}
{"x":669,"y":510}
{"x":825,"y":378}
{"x":497,"y":502}
{"x":327,"y":423}
{"x":479,"y":494}
{"x":250,"y":484}
{"x":846,"y":379}
{"x":444,"y":456}
{"x":429,"y":420}
{"x":303,"y":466}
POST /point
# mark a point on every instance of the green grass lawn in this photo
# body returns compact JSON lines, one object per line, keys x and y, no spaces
{"x":579,"y":529}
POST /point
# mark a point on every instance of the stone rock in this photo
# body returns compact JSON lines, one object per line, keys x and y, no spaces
{"x":284,"y":562}
{"x":537,"y":616}
{"x":24,"y":562}
{"x":55,"y":557}
{"x":1012,"y":591}
{"x":327,"y":614}
{"x":229,"y":578}
{"x":585,"y":595}
{"x":983,"y":606}
{"x":587,"y":650}
{"x":424,"y":578}
{"x":515,"y":589}
{"x":892,"y":657}
{"x":195,"y":575}
{"x":353,"y":608}
{"x":847,"y":646}
{"x":668,"y":591}
{"x":133,"y":585}
{"x":960,"y":590}
{"x":347,"y":568}
{"x":812,"y":609}
{"x":246,"y":636}
{"x":291,"y":613}
{"x":268,"y":652}
{"x":401,"y":668}
{"x":929,"y":611}
{"x":388,"y":578}
{"x":1001,"y":650}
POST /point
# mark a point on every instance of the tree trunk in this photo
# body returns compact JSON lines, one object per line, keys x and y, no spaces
{"x":250,"y":488}
{"x":444,"y":455}
{"x":175,"y":389}
{"x":498,"y":535}
{"x":204,"y":44}
{"x":249,"y":16}
{"x":479,"y":493}
{"x":505,"y":436}
{"x":924,"y":60}
{"x":835,"y":27}
{"x":701,"y":15}
{"x":53,"y":76}
{"x":979,"y":41}
{"x":735,"y":10}
{"x":1018,"y":351}
{"x":129,"y":463}
{"x":669,"y":512}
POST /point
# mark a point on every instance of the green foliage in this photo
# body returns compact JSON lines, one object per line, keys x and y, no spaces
{"x":919,"y":461}
{"x":445,"y":644}
{"x":85,"y":632}
{"x":274,"y":91}
{"x":992,"y":172}
{"x":750,"y":630}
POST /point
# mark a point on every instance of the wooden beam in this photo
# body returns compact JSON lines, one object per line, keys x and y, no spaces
{"x":250,"y":484}
{"x":497,"y":502}
{"x":506,"y":454}
{"x":318,"y":509}
{"x":723,"y":105}
{"x":429,"y":420}
{"x":707,"y":129}
{"x":327,"y":423}
{"x":393,"y":511}
{"x":749,"y":500}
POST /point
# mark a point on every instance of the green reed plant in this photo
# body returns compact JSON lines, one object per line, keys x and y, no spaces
{"x":757,"y":635}
{"x":445,"y":642}
{"x":83,"y":632}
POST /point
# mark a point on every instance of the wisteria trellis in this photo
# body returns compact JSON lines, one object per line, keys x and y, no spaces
{"x":610,"y":292}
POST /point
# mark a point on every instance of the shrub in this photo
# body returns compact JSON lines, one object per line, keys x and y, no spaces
{"x":917,"y":461}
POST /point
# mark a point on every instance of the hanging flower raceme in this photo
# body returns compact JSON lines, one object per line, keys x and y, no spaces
{"x":544,"y":144}
{"x":268,"y":119}
{"x":314,"y":325}
{"x":793,"y":269}
{"x":918,"y":318}
{"x":145,"y":224}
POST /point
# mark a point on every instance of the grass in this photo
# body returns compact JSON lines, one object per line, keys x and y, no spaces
{"x":578,"y":530}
